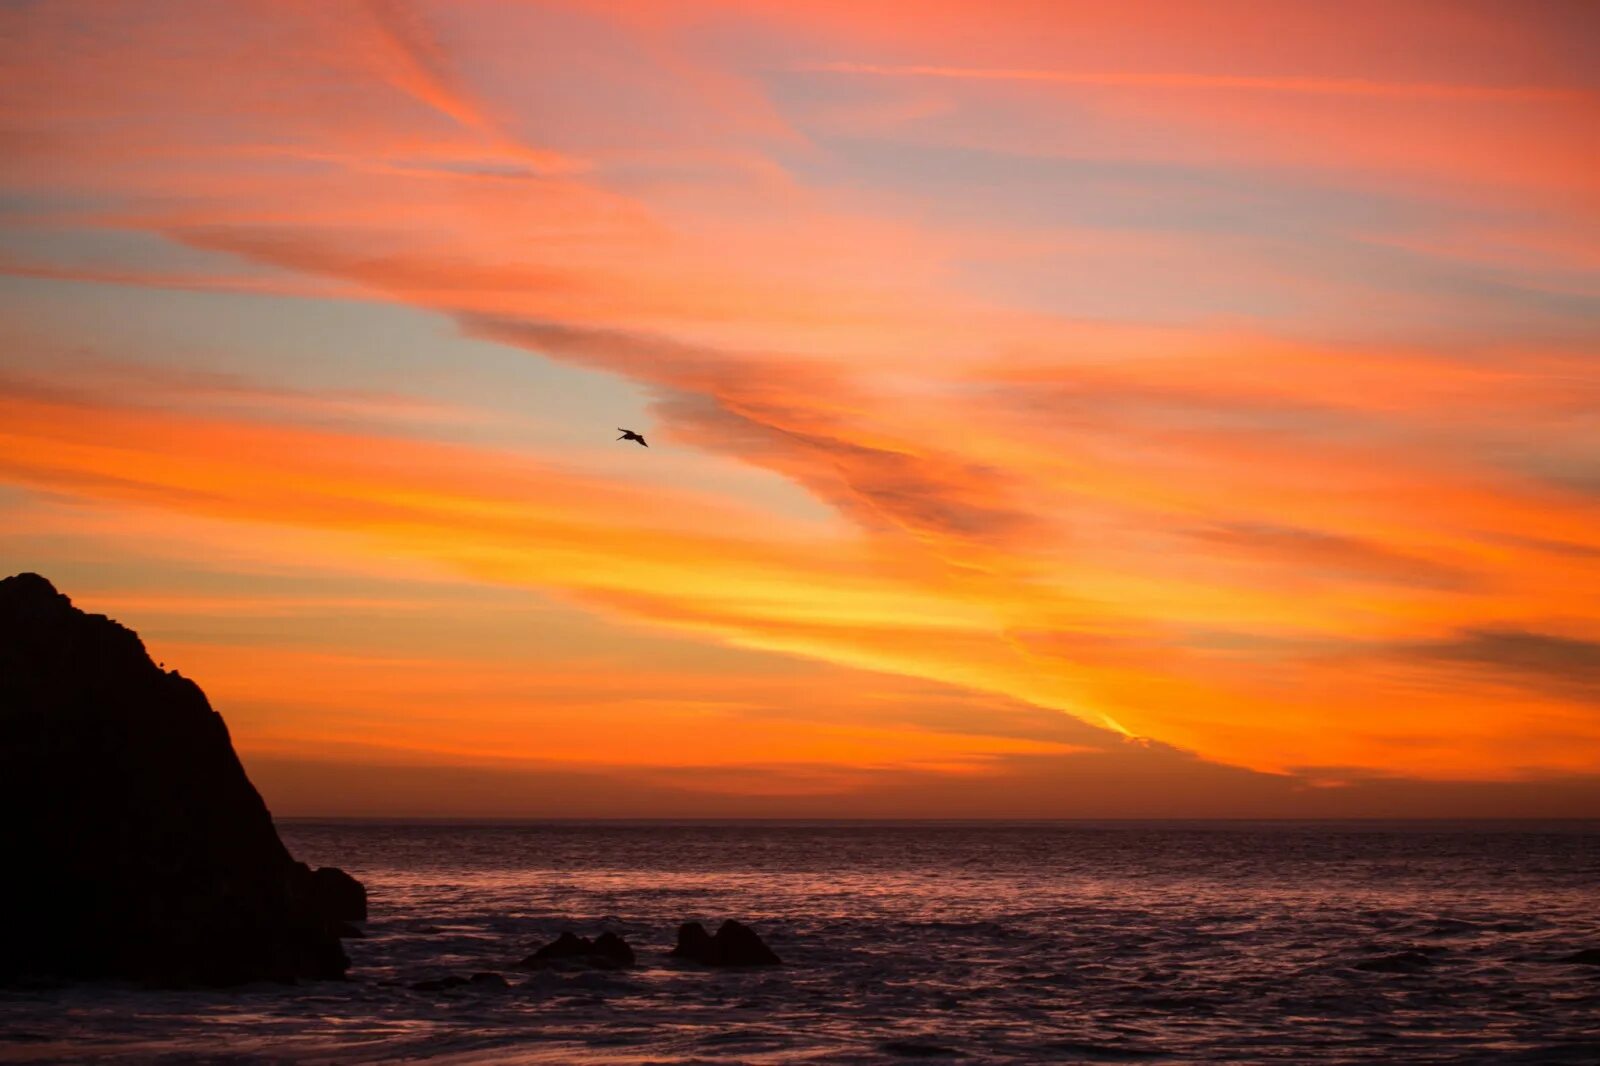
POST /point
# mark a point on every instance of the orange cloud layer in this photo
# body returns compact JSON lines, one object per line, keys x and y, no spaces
{"x":1219,"y":379}
{"x":1159,"y":656}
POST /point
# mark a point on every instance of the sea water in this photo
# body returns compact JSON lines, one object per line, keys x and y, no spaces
{"x":976,"y":942}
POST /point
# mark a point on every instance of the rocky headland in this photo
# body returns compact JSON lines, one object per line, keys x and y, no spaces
{"x":137,"y":847}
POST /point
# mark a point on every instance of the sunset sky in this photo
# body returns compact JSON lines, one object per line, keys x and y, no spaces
{"x":1054,"y":408}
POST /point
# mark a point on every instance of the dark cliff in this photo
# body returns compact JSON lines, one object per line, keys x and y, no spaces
{"x":136,"y":846}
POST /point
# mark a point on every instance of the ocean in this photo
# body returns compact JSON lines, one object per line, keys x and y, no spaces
{"x":1161,"y":942}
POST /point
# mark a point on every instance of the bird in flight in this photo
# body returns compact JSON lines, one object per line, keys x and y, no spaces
{"x":628,"y":434}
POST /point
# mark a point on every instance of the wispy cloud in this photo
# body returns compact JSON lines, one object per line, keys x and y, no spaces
{"x":1567,"y":665}
{"x":417,"y":65}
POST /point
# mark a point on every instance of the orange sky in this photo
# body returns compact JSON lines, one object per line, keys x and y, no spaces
{"x":1055,"y":408}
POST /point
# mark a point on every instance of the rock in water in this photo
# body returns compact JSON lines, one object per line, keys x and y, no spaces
{"x":694,"y":943}
{"x":137,"y":847}
{"x":339,"y":894}
{"x":738,"y":945}
{"x":608,"y":951}
{"x":735,"y":944}
{"x":613,"y":947}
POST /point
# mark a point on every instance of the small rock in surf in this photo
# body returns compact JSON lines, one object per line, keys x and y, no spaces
{"x":734,"y":944}
{"x":608,"y":951}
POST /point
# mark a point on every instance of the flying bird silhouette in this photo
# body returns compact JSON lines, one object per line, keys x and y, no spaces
{"x":628,"y":434}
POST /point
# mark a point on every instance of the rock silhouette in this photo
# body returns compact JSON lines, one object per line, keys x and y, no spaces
{"x":734,"y":944}
{"x":339,"y":895}
{"x":1586,"y":957}
{"x":607,"y":951}
{"x":137,"y":846}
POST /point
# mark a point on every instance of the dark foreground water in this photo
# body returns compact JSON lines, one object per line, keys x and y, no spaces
{"x":1074,"y":942}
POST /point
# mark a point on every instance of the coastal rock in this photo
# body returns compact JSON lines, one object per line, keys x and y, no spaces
{"x":734,"y":944}
{"x":608,"y":951}
{"x":1586,"y":957}
{"x":138,"y":846}
{"x":612,"y":946}
{"x":338,"y":894}
{"x":694,"y":943}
